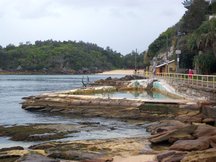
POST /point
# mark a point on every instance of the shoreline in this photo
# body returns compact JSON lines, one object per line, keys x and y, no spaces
{"x":109,"y":72}
{"x":119,"y":71}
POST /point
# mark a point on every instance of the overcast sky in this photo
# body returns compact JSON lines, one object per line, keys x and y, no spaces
{"x":123,"y":25}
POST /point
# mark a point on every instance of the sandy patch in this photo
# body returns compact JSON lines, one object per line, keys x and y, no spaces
{"x":138,"y":158}
{"x":126,"y":72}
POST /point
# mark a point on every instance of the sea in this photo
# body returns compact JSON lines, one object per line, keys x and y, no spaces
{"x":14,"y":87}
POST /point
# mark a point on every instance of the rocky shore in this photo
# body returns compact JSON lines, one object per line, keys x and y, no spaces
{"x":181,"y":129}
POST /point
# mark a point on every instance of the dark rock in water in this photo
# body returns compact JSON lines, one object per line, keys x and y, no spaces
{"x":36,"y":158}
{"x":109,"y":78}
{"x":12,"y":148}
{"x":131,"y":77}
{"x":42,"y":146}
{"x":117,"y":82}
{"x":89,"y":123}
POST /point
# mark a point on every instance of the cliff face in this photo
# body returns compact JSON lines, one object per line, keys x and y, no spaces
{"x":194,"y":35}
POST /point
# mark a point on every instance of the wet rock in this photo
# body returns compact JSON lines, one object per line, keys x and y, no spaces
{"x":36,"y":158}
{"x":42,"y":146}
{"x":12,"y":148}
{"x":45,"y":136}
{"x":89,"y":123}
{"x":201,"y":156}
{"x":191,"y":145}
{"x":73,"y":155}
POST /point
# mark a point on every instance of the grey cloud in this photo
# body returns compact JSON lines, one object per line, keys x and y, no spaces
{"x":29,"y":9}
{"x":121,"y":24}
{"x":100,"y":3}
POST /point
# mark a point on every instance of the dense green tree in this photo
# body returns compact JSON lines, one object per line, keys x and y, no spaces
{"x":133,"y":58}
{"x":60,"y":56}
{"x":205,"y":63}
{"x":162,"y":42}
{"x":194,"y":16}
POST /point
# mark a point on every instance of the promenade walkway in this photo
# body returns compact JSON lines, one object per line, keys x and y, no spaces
{"x":206,"y":82}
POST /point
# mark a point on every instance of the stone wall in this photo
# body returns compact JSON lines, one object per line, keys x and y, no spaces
{"x":194,"y":91}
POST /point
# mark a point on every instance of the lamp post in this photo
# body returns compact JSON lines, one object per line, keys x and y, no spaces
{"x":178,"y":52}
{"x":167,"y":60}
{"x":135,"y":61}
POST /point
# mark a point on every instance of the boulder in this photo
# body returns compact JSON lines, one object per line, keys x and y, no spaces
{"x":174,"y":135}
{"x":165,"y":125}
{"x":204,"y":131}
{"x":191,"y":145}
{"x":191,"y":119}
{"x":42,"y":146}
{"x":209,"y":110}
{"x":176,"y":157}
{"x":164,"y":155}
{"x":201,"y":156}
{"x":209,"y":121}
{"x":213,"y":141}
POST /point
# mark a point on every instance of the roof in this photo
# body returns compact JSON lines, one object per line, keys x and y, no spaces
{"x":169,"y":62}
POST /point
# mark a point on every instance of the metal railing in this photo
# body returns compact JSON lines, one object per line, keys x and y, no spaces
{"x":195,"y":80}
{"x":204,"y":81}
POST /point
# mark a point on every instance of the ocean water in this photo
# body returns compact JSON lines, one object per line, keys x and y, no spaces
{"x":14,"y":87}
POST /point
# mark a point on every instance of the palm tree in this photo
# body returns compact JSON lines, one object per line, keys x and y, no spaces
{"x":207,"y":40}
{"x":187,"y":3}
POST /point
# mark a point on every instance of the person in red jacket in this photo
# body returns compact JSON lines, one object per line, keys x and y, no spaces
{"x":190,"y":73}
